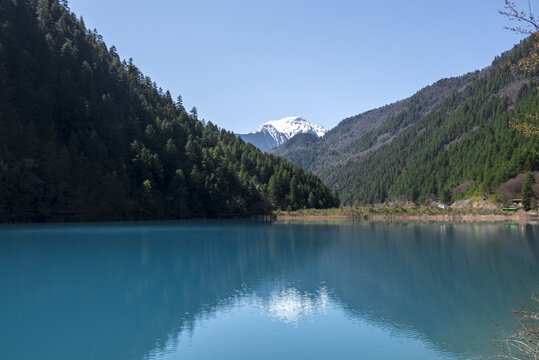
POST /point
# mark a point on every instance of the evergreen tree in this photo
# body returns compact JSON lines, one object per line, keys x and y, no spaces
{"x":527,"y":192}
{"x":453,"y":134}
{"x":86,"y":136}
{"x":179,"y":102}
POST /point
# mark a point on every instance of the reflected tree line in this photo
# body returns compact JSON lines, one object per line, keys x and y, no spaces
{"x":146,"y":286}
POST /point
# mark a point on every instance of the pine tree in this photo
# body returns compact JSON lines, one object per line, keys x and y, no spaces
{"x":85,"y":135}
{"x":527,"y":192}
{"x":179,"y":102}
{"x":273,"y":189}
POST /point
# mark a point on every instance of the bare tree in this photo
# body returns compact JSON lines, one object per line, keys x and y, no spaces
{"x":524,"y":343}
{"x":531,"y":26}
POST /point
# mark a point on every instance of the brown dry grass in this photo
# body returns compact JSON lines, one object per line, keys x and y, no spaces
{"x":405,"y":214}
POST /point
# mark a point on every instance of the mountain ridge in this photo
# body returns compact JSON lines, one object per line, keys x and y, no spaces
{"x":423,"y":147}
{"x":341,"y":141}
{"x":85,"y":136}
{"x":277,"y":132}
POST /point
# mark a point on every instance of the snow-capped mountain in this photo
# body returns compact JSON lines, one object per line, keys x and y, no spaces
{"x":277,"y":132}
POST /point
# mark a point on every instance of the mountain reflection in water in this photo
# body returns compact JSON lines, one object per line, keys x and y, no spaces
{"x":227,"y":289}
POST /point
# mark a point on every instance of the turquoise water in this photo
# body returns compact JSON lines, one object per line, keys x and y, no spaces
{"x":259,"y":290}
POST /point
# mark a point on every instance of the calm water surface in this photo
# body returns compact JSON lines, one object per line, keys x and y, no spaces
{"x":258,"y":290}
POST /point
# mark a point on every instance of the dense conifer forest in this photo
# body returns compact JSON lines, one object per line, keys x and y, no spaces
{"x":84,"y":135}
{"x":460,"y":144}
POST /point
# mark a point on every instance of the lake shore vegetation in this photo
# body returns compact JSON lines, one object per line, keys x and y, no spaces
{"x":420,"y":213}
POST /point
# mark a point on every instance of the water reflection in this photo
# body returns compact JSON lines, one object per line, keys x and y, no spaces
{"x":135,"y":292}
{"x":292,"y":306}
{"x":246,"y":329}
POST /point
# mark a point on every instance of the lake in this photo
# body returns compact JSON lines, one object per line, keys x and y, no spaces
{"x":262,"y":290}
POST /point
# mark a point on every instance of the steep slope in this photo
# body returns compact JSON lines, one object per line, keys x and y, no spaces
{"x":274,"y":133}
{"x":453,"y":132}
{"x":86,"y":136}
{"x":348,"y":141}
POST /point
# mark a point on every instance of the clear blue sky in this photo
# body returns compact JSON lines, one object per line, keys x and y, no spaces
{"x":242,"y":63}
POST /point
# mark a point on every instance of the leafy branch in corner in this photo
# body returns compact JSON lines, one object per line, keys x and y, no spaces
{"x":531,"y":27}
{"x":526,"y":124}
{"x":528,"y":18}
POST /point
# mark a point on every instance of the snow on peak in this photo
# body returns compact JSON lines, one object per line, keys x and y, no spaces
{"x":274,"y":133}
{"x":285,"y":128}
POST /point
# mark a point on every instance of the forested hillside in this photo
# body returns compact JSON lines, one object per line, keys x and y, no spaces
{"x":452,"y":133}
{"x":346,"y":141}
{"x":86,"y":136}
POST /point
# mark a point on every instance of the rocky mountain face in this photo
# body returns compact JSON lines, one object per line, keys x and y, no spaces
{"x":274,"y":133}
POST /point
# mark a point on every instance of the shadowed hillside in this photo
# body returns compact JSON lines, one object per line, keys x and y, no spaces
{"x":86,"y":136}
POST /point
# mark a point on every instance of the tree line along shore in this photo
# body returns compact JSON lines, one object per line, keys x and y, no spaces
{"x":420,"y":213}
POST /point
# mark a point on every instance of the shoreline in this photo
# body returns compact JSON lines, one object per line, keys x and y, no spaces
{"x":455,"y":217}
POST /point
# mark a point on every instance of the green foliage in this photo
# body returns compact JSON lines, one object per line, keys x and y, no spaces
{"x":527,"y":192}
{"x":466,"y":137}
{"x":381,"y":212}
{"x":86,"y":136}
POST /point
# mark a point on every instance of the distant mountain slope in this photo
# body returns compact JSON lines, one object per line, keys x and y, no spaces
{"x":452,"y":132}
{"x":274,"y":133}
{"x":86,"y":136}
{"x":341,"y":144}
